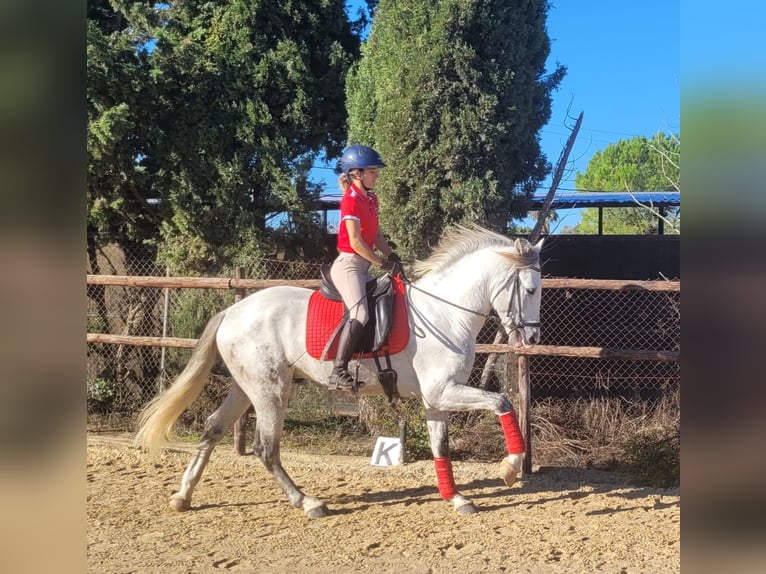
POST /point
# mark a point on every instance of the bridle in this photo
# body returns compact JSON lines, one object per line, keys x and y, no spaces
{"x":515,"y":297}
{"x":513,"y":325}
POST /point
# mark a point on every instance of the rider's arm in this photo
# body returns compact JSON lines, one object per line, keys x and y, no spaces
{"x":382,"y":244}
{"x":354,"y":228}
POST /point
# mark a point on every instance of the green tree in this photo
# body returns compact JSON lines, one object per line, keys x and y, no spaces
{"x":205,"y":117}
{"x":453,"y":93}
{"x":637,"y":164}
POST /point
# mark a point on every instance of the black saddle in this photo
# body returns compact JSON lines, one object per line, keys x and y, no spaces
{"x":380,"y":303}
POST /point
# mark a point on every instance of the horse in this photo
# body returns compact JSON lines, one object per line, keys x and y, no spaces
{"x":261,"y":339}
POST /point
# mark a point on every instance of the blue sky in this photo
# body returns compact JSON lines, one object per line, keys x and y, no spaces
{"x":723,"y":48}
{"x":623,"y":73}
{"x":623,"y":62}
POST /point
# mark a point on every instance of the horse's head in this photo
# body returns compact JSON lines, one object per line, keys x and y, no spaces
{"x":516,"y":291}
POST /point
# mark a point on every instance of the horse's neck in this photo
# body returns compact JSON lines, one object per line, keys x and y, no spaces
{"x":463,"y":284}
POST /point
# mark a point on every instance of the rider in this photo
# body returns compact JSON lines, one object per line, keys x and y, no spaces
{"x":358,"y":236}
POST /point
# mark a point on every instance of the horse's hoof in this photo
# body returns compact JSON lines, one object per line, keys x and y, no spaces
{"x":467,"y":509}
{"x":509,"y":472}
{"x":179,"y":503}
{"x":463,"y":506}
{"x":317,"y":512}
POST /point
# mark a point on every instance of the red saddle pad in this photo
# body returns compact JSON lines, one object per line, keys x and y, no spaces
{"x":323,"y":317}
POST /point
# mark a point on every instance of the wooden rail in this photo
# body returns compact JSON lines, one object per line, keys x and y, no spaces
{"x":240,"y":284}
{"x":546,"y":350}
{"x":140,"y":341}
{"x":196,"y":282}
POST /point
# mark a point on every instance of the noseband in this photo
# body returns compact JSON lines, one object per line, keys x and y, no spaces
{"x":516,"y":296}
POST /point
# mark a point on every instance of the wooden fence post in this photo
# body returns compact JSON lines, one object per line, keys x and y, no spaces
{"x":525,"y":407}
{"x":240,"y":426}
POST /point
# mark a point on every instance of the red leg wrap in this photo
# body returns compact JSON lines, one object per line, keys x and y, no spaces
{"x":512,"y":432}
{"x":447,"y":487}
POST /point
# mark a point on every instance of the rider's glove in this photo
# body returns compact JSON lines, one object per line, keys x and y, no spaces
{"x":390,"y":267}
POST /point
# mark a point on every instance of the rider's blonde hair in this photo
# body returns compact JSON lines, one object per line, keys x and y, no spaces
{"x":344,"y":181}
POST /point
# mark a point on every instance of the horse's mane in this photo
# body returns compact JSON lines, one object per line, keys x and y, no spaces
{"x":460,"y":241}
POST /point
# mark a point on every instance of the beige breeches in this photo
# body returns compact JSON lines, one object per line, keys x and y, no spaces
{"x":350,"y":273}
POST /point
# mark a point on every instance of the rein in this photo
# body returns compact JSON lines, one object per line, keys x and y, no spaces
{"x":413,"y":286}
{"x":516,"y":295}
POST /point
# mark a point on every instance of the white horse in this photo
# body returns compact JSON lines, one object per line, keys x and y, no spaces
{"x":262,"y":342}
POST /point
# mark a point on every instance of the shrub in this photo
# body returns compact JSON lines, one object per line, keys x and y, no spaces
{"x":654,"y":459}
{"x":190,"y":313}
{"x":100,"y":394}
{"x":101,"y":390}
{"x":608,"y":434}
{"x":381,"y":420}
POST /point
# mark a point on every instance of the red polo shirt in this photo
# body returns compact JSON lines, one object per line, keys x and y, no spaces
{"x":354,"y":205}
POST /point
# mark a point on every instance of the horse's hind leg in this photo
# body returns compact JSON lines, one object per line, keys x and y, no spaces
{"x":270,"y":405}
{"x":234,"y":406}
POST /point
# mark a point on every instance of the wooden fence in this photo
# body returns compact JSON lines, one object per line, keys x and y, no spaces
{"x":241,"y":285}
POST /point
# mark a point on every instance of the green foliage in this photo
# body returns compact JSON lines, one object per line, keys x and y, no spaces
{"x":193,"y":308}
{"x":97,"y":324}
{"x":654,"y":459}
{"x":453,"y":95}
{"x":381,"y":420}
{"x":637,"y":164}
{"x":205,"y":117}
{"x":101,"y":390}
{"x":190,"y":312}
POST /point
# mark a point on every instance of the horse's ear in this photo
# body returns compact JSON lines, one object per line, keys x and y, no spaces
{"x":518,"y":246}
{"x":539,"y":244}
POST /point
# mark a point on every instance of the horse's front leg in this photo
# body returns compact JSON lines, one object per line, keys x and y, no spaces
{"x":460,"y":397}
{"x":439,"y":435}
{"x":510,"y":466}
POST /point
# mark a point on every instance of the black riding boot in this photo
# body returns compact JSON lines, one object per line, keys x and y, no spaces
{"x":350,"y":337}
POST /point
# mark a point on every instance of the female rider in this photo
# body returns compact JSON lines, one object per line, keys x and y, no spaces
{"x":358,"y":236}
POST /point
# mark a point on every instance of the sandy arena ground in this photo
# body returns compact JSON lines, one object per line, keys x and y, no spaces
{"x":384,"y":519}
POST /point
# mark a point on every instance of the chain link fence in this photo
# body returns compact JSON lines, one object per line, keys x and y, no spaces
{"x":625,"y":319}
{"x":122,"y":378}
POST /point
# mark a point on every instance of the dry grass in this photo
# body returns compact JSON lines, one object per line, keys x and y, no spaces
{"x":595,"y":432}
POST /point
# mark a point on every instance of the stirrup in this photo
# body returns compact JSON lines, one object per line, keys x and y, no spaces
{"x":341,"y":380}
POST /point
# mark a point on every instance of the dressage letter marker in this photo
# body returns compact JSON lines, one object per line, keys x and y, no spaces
{"x":388,"y":452}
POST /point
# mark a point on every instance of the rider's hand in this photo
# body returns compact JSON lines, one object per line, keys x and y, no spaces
{"x":389,"y":267}
{"x":393,"y":266}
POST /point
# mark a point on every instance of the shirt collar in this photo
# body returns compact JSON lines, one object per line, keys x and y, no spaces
{"x":355,"y":189}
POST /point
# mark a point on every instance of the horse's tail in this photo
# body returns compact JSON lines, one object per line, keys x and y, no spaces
{"x":157,"y":419}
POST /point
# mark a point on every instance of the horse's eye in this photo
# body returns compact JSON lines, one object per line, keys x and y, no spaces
{"x":531,"y":290}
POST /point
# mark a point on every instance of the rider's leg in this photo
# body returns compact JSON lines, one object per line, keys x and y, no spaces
{"x":350,"y":338}
{"x":350,"y":275}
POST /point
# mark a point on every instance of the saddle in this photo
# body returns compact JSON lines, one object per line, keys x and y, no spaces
{"x":380,"y":304}
{"x":386,"y":332}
